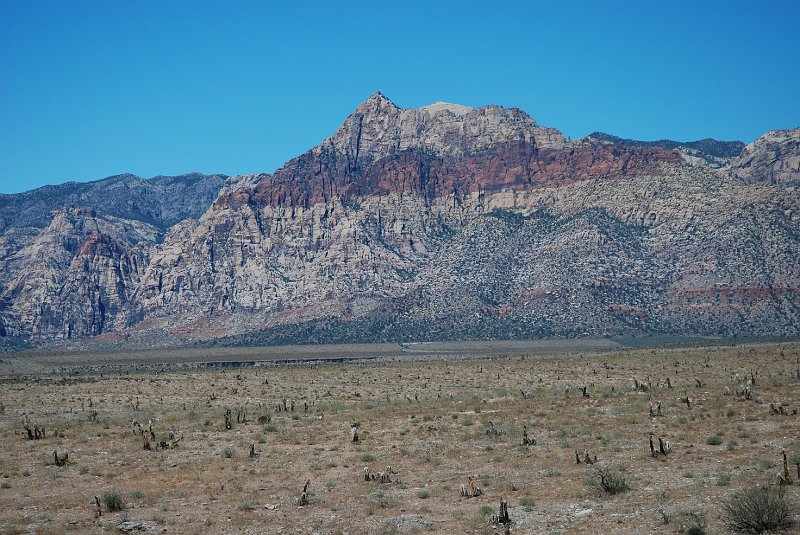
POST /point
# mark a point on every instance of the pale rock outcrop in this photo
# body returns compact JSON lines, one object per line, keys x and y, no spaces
{"x":773,"y":158}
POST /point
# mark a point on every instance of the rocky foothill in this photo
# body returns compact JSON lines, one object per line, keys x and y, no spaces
{"x":443,"y":222}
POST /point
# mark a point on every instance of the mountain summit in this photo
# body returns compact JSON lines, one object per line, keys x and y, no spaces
{"x":443,"y":222}
{"x":378,"y":128}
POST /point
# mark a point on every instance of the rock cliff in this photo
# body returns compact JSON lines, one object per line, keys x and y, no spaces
{"x":74,"y":278}
{"x":773,"y":158}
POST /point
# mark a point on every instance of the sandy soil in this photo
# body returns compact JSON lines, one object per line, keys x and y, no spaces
{"x":430,"y":419}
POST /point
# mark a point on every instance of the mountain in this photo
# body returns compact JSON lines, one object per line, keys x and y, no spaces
{"x":713,"y":152}
{"x":443,"y":222}
{"x":126,"y":196}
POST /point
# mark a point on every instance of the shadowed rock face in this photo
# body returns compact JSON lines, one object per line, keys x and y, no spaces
{"x":444,"y":222}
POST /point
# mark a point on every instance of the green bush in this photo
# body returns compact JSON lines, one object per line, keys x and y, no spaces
{"x":758,"y":510}
{"x":114,"y":501}
{"x":612,"y":482}
{"x":714,"y":440}
{"x":766,"y":464}
{"x":423,"y":494}
{"x":723,"y":479}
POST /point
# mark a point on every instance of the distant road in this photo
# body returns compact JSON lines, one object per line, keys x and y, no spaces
{"x":37,"y":362}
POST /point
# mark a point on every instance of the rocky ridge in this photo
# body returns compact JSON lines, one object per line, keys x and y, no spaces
{"x":710,"y":151}
{"x":443,"y":222}
{"x":125,"y":196}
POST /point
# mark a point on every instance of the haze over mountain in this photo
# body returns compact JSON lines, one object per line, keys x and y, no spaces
{"x":443,"y":222}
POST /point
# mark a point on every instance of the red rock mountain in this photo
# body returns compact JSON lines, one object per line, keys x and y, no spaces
{"x":443,"y":222}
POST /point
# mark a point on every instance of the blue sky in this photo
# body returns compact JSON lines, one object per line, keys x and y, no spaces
{"x":90,"y":89}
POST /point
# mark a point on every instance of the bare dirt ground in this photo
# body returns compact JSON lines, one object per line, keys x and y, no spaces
{"x":430,"y":418}
{"x":45,"y":361}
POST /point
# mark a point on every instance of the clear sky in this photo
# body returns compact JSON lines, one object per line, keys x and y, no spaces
{"x":90,"y":89}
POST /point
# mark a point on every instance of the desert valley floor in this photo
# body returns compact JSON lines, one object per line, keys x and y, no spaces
{"x":440,"y":418}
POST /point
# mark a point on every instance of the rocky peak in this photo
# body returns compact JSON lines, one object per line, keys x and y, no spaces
{"x":437,"y":150}
{"x":376,"y":102}
{"x":379,"y":128}
{"x":773,"y":158}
